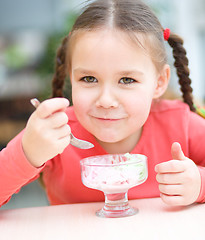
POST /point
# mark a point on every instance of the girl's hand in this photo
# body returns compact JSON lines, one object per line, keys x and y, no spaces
{"x":179,"y":179}
{"x":47,"y":133}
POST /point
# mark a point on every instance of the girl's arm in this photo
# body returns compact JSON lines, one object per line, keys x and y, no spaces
{"x":46,"y":135}
{"x":182,"y":180}
{"x":15,"y":170}
{"x":197,"y":147}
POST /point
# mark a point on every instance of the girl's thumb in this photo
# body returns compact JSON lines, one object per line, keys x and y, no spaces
{"x":177,"y":152}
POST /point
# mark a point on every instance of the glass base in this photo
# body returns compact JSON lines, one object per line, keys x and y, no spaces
{"x":117,"y":214}
{"x":116,"y":206}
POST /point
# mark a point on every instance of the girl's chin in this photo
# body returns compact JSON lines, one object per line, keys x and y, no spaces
{"x":107,"y":139}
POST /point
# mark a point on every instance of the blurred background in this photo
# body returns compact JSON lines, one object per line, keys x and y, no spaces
{"x":30,"y":33}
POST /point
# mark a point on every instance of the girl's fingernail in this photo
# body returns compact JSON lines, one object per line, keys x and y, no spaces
{"x":35,"y":102}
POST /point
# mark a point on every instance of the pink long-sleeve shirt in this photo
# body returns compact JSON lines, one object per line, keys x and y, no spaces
{"x":168,"y":121}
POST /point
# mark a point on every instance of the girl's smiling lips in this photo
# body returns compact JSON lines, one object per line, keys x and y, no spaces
{"x":108,"y":119}
{"x":108,"y":115}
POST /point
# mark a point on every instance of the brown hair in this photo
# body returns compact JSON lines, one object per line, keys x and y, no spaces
{"x":131,"y":16}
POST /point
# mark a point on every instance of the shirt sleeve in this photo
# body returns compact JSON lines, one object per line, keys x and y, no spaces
{"x":197,"y":148}
{"x":201,"y":197}
{"x":15,"y":169}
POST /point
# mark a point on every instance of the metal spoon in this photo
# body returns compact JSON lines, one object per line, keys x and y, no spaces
{"x":73,"y":140}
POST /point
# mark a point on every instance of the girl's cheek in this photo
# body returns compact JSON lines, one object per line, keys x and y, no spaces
{"x":81,"y":102}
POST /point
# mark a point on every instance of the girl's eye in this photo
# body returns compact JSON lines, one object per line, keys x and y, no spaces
{"x":126,"y":80}
{"x":89,"y":79}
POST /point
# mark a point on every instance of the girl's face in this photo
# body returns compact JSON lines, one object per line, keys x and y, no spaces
{"x":113,"y":84}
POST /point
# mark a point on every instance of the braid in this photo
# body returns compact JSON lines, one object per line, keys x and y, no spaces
{"x":181,"y":64}
{"x":60,"y":70}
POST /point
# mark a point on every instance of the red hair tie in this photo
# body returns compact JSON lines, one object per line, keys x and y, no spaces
{"x":166,"y":33}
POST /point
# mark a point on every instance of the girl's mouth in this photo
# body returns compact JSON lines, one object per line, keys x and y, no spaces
{"x":108,"y":119}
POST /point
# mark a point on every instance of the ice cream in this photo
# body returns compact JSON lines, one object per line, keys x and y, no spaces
{"x":114,"y":173}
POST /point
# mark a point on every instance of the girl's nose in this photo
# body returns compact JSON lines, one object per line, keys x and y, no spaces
{"x":107,"y":98}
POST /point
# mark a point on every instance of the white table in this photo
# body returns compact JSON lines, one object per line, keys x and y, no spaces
{"x":155,"y":220}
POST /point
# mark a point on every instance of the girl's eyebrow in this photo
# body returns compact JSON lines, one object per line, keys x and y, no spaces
{"x":84,"y":71}
{"x":131,"y":73}
{"x":121,"y":73}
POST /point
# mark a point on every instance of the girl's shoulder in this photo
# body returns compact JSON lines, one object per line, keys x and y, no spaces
{"x":164,"y":105}
{"x":174,"y":111}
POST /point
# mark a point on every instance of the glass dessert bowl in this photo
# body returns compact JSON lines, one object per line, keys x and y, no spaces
{"x":114,"y":174}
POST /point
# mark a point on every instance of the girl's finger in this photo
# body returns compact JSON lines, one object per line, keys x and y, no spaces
{"x":63,"y":143}
{"x":172,"y":200}
{"x":63,"y":132}
{"x":172,"y":166}
{"x":177,"y":152}
{"x":170,"y":178}
{"x":50,"y":106}
{"x":58,"y":119}
{"x":168,"y":189}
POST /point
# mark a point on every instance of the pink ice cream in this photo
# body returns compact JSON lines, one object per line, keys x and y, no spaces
{"x":114,"y":174}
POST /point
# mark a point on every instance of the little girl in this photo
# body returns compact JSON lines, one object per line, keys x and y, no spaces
{"x":115,"y":58}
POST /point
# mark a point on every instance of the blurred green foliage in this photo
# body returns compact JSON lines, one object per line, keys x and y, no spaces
{"x":14,"y":57}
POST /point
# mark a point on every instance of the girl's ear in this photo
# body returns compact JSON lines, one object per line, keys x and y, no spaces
{"x":162,"y":81}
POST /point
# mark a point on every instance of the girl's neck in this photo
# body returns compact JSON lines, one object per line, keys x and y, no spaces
{"x":123,"y":146}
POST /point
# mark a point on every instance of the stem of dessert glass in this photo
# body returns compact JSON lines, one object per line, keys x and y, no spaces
{"x":116,"y":202}
{"x":116,"y":205}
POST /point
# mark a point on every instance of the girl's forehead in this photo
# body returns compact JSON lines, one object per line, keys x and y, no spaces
{"x":109,"y":33}
{"x":105,"y":49}
{"x":106,"y":37}
{"x":106,"y":41}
